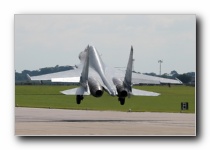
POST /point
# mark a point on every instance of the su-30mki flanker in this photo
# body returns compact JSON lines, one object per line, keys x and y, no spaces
{"x":95,"y":78}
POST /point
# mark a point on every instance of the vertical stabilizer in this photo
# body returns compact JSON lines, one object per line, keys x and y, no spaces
{"x":83,"y":89}
{"x":85,"y":71}
{"x":128,"y":74}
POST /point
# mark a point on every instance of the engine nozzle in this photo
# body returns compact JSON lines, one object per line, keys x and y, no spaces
{"x":95,"y":88}
{"x":121,"y":90}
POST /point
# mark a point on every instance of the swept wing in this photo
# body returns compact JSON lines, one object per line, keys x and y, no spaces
{"x":93,"y":74}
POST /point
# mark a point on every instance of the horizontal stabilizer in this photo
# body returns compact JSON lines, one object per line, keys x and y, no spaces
{"x":136,"y":92}
{"x":72,"y":79}
{"x":76,"y":91}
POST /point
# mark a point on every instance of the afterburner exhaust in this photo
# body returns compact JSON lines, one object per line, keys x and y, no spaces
{"x":95,"y":88}
{"x":121,"y":90}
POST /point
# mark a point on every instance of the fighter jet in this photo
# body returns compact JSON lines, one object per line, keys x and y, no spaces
{"x":94,"y":77}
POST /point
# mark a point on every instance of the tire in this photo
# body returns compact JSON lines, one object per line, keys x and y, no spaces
{"x":122,"y":100}
{"x":79,"y":98}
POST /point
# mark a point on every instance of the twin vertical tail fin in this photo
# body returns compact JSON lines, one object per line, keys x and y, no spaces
{"x":85,"y":70}
{"x":84,"y":88}
{"x":84,"y":74}
{"x":128,"y":80}
{"x":128,"y":74}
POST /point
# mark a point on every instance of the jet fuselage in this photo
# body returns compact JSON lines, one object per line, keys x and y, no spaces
{"x":98,"y":65}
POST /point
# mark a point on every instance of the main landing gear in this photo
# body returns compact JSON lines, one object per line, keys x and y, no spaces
{"x":79,"y":98}
{"x":122,"y":100}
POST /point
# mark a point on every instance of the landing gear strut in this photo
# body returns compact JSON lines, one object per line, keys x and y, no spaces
{"x":122,"y":100}
{"x":79,"y":98}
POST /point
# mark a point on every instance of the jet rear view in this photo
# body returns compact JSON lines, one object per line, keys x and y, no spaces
{"x":95,"y":77}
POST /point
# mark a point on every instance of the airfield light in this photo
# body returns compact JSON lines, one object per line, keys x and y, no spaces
{"x":160,"y":61}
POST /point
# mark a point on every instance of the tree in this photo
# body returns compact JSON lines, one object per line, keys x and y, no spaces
{"x":184,"y":78}
{"x":174,"y":73}
{"x":151,"y":74}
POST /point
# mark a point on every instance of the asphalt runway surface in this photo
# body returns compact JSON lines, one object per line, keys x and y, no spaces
{"x":60,"y":122}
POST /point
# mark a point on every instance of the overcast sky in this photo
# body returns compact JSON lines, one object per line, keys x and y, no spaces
{"x":50,"y":40}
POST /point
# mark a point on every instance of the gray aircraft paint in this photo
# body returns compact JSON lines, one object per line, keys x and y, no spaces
{"x":93,"y":67}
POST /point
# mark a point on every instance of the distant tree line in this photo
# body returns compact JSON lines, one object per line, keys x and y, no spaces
{"x":186,"y":78}
{"x":21,"y":77}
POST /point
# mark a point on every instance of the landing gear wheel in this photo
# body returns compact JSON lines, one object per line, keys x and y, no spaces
{"x":122,"y":100}
{"x":79,"y":98}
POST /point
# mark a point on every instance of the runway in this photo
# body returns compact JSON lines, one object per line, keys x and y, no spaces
{"x":60,"y":122}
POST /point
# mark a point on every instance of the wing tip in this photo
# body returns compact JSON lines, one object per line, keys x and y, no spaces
{"x":28,"y":77}
{"x":179,"y":81}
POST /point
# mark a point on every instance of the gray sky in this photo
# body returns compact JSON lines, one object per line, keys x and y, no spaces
{"x":50,"y":40}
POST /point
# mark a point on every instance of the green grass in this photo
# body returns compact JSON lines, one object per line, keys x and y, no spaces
{"x":43,"y":96}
